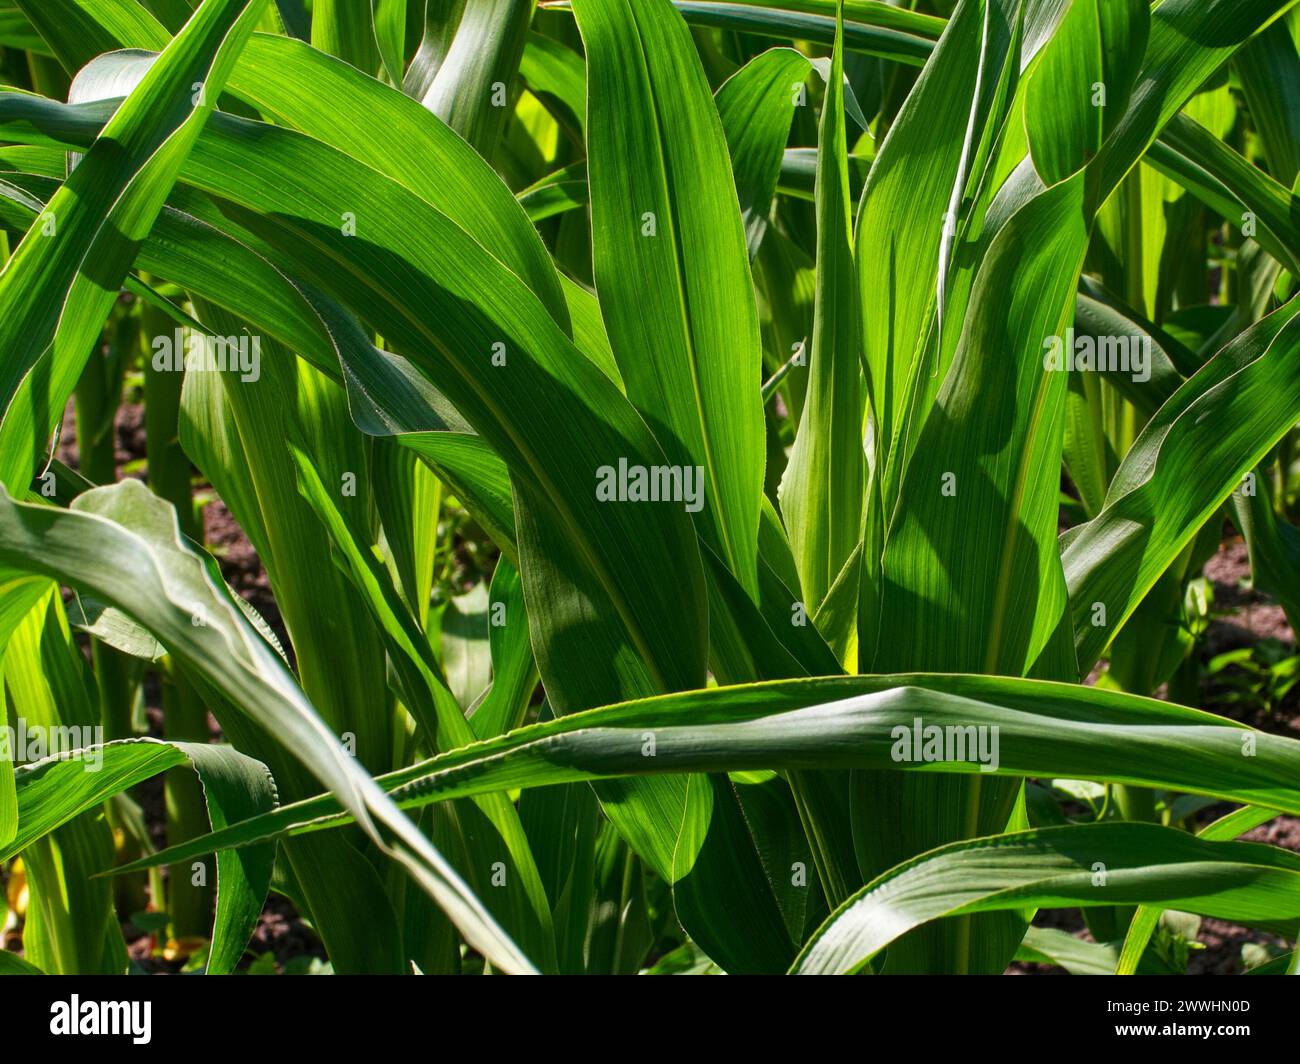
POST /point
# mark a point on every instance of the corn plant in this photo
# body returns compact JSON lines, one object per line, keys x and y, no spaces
{"x":730,"y":477}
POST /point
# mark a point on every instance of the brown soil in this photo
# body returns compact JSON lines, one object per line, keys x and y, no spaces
{"x":1244,"y":618}
{"x":1252,"y":616}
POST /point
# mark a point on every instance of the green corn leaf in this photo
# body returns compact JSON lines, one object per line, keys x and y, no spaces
{"x":78,"y":30}
{"x":756,"y":105}
{"x":53,"y":301}
{"x":901,"y":219}
{"x":70,"y":927}
{"x":147,"y":573}
{"x":884,"y":32}
{"x":1188,"y":41}
{"x":440,"y":20}
{"x":822,"y":492}
{"x":389,"y":20}
{"x":12,"y":964}
{"x":670,"y":263}
{"x":287,"y":80}
{"x":1094,"y":864}
{"x":527,"y":915}
{"x":1184,"y":466}
{"x":1269,"y":67}
{"x":249,"y":463}
{"x":473,"y":80}
{"x":1147,"y":917}
{"x":18,"y":595}
{"x":558,"y":192}
{"x":1219,"y":177}
{"x":554,"y":71}
{"x":514,"y":676}
{"x":54,"y":791}
{"x":521,"y":326}
{"x":344,"y":28}
{"x":1051,"y":730}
